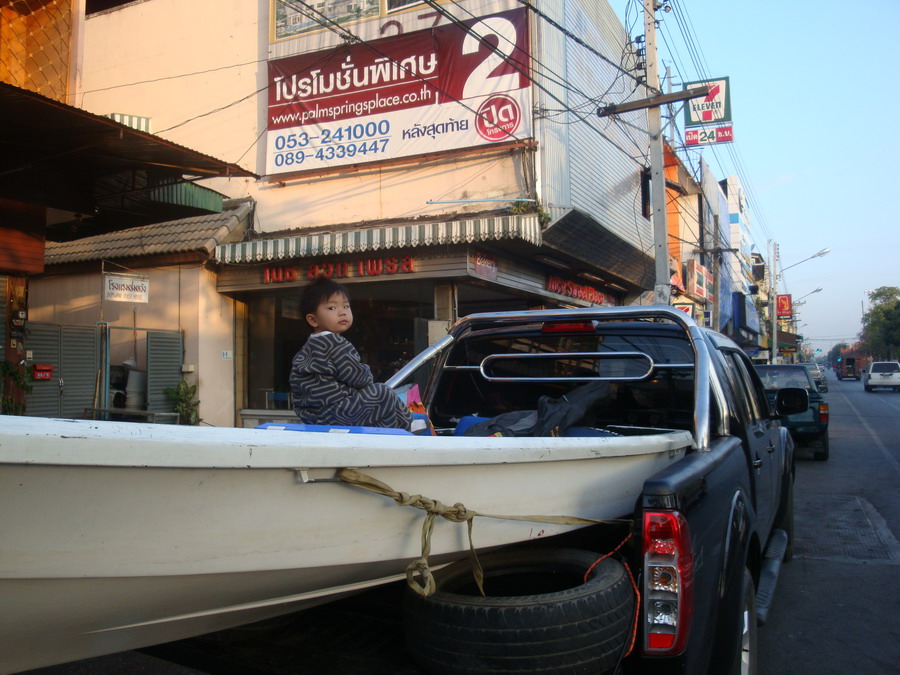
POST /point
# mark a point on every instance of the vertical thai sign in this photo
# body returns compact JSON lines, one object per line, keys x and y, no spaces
{"x":784,"y":307}
{"x":450,"y":87}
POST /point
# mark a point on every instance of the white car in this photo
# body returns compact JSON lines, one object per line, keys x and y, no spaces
{"x":882,"y":374}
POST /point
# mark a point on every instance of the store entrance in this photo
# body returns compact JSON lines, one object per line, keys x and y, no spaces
{"x":383,"y":332}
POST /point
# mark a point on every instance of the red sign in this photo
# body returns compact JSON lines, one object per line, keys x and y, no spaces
{"x":449,"y":87}
{"x":579,"y":291}
{"x":42,"y":371}
{"x":700,"y":283}
{"x":484,"y":265}
{"x":366,"y":267}
{"x":785,"y":306}
{"x":709,"y":136}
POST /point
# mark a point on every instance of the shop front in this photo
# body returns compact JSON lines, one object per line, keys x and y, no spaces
{"x":404,"y":295}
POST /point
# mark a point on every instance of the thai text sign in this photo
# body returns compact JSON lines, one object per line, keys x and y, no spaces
{"x":714,"y":108}
{"x":702,"y":136}
{"x":365,"y":267}
{"x":484,"y":265}
{"x":411,"y":94}
{"x":579,"y":291}
{"x":126,"y":288}
{"x":785,"y":306}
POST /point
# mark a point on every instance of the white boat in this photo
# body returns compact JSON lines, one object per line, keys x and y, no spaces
{"x":119,"y":535}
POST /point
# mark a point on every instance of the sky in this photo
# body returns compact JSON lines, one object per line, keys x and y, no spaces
{"x":815,"y":102}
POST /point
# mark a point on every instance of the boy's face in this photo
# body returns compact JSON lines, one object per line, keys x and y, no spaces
{"x":333,"y":314}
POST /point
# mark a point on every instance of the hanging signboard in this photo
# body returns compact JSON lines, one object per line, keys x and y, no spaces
{"x":785,"y":306}
{"x":450,"y":87}
{"x":700,"y":283}
{"x":703,"y":136}
{"x":126,"y":288}
{"x":714,"y":108}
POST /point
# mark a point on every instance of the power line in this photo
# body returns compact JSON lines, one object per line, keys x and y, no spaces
{"x":515,"y":65}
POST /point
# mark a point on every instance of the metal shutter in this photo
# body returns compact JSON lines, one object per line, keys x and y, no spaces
{"x":164,"y":358}
{"x":79,"y":368}
{"x":42,"y":340}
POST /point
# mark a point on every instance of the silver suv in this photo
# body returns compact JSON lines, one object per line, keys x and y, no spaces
{"x":818,"y":375}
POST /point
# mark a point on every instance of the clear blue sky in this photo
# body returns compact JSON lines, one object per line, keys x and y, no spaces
{"x":815,"y":101}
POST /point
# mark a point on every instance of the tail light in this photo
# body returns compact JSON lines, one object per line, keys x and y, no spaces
{"x":668,"y":582}
{"x":823,"y":412}
{"x":568,"y":327}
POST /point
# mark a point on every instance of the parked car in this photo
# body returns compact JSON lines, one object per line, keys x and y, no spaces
{"x":882,"y":374}
{"x":810,"y":427}
{"x":818,"y":375}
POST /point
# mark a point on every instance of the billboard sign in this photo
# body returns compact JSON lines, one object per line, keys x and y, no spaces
{"x":426,"y":91}
{"x":714,"y":108}
{"x":784,"y":306}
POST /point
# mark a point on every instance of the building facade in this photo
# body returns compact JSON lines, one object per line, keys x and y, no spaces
{"x":438,"y":158}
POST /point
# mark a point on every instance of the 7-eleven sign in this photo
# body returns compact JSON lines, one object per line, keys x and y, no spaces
{"x":713,"y":108}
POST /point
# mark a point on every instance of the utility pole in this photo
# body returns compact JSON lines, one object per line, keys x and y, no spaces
{"x":662,"y":288}
{"x":663,"y":278}
{"x":773,"y":301}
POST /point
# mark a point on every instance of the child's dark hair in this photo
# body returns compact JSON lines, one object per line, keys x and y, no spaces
{"x":317,"y":291}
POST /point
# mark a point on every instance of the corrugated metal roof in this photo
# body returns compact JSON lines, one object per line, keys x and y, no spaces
{"x":493,"y":228}
{"x":197,"y":234}
{"x":52,"y":154}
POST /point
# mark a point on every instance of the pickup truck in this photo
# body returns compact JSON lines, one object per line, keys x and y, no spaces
{"x":631,"y":481}
{"x":707,"y":534}
{"x":811,"y":426}
{"x":882,"y":374}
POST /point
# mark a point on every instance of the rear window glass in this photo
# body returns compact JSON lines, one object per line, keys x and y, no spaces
{"x":885,"y":367}
{"x":778,"y":377}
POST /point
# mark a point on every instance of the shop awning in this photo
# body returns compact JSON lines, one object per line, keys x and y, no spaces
{"x":492,"y":228}
{"x":580,"y":237}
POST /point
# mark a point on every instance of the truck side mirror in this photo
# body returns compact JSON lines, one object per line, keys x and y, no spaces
{"x":791,"y":401}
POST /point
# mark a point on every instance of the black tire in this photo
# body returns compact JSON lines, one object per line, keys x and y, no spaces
{"x":746,"y":655}
{"x":786,"y":521}
{"x":822,"y":453}
{"x":867,"y":387}
{"x":539,"y":616}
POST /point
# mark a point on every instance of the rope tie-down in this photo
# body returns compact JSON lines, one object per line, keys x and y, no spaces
{"x":418,"y":573}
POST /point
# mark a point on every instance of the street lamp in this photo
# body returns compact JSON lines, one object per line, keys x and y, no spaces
{"x":818,"y":290}
{"x":773,"y":292}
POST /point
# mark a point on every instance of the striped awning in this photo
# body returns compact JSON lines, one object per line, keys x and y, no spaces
{"x":523,"y":227}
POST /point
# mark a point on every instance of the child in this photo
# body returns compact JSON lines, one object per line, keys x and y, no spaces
{"x":329,"y":383}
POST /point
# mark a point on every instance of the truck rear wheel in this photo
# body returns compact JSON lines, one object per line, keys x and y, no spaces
{"x":539,"y":616}
{"x":745,"y":661}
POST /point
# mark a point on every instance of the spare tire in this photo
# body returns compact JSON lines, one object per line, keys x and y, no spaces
{"x":539,"y":616}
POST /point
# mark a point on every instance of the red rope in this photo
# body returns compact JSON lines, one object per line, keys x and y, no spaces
{"x":637,"y":593}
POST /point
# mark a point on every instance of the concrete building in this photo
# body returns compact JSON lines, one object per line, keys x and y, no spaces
{"x":438,"y":158}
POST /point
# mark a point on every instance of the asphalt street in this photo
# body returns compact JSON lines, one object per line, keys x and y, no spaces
{"x":835,"y":608}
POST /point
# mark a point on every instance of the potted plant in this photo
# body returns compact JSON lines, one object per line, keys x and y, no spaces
{"x":185,"y":404}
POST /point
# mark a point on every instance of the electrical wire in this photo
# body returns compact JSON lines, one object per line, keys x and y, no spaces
{"x":515,"y":65}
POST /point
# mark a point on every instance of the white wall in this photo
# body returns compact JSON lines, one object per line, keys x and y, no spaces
{"x":177,"y":62}
{"x":157,"y":59}
{"x":181,"y":298}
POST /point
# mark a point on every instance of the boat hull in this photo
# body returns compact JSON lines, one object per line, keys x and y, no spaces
{"x":122,"y":536}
